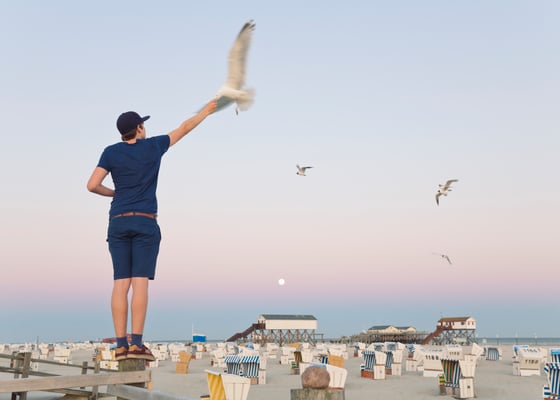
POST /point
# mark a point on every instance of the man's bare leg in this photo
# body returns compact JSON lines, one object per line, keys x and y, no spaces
{"x":139,"y":304}
{"x":119,"y":305}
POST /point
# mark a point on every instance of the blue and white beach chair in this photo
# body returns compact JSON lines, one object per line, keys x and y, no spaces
{"x":555,"y":355}
{"x":493,"y":353}
{"x":250,"y":366}
{"x":552,"y":390}
{"x":233,"y":364}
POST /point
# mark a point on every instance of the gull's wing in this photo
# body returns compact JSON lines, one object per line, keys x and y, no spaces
{"x":449,"y":182}
{"x":447,"y":258}
{"x":437,"y":198}
{"x":238,"y":56}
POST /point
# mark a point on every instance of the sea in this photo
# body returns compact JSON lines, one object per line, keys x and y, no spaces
{"x":531,"y":341}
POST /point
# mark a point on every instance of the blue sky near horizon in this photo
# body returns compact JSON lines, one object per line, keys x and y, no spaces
{"x":384,"y":100}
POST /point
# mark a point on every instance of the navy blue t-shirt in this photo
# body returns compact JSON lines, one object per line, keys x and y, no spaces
{"x":134,"y":169}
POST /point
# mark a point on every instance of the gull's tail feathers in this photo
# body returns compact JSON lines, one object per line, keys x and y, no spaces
{"x":246,"y":99}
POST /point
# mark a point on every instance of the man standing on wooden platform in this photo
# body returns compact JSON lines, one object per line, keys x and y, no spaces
{"x":133,"y":233}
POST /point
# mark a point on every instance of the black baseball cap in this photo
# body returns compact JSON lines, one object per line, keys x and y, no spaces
{"x":129,"y":120}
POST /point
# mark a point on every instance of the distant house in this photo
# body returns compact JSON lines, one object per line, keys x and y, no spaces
{"x":407,"y":329}
{"x":390,"y":329}
{"x":288,"y":321}
{"x":457,"y":323}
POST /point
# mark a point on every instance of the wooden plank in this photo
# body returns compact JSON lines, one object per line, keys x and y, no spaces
{"x":136,"y":393}
{"x":31,"y":373}
{"x":63,"y":382}
{"x":79,"y":393}
{"x":51,"y":362}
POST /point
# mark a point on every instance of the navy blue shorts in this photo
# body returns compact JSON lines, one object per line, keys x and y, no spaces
{"x":134,"y":246}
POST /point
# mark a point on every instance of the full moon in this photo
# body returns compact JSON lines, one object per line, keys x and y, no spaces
{"x":281,"y":281}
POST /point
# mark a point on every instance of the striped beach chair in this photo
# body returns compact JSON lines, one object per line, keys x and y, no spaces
{"x":369,"y":358}
{"x":451,"y":372}
{"x":555,"y":355}
{"x":250,"y":366}
{"x":388,"y":360}
{"x":493,"y":353}
{"x":323,"y":358}
{"x":233,"y":364}
{"x":552,"y":390}
{"x":374,"y":364}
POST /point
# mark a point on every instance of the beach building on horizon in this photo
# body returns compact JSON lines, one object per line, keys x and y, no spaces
{"x":453,"y":330}
{"x":280,"y":329}
{"x":389,"y":333}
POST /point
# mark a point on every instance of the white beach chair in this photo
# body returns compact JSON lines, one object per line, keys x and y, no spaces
{"x":432,"y":363}
{"x":528,"y":361}
{"x":227,"y":386}
{"x":219,"y":358}
{"x":337,"y":375}
{"x":453,"y":351}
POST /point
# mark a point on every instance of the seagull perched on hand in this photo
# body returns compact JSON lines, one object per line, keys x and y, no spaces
{"x":301,"y":170}
{"x":445,"y":257}
{"x":444,"y":189}
{"x":231,"y":91}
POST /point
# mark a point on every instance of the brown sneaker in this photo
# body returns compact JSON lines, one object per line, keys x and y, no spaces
{"x":121,"y":353}
{"x":141,"y":353}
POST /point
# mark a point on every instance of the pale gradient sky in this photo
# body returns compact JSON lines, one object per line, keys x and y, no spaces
{"x":384,"y":99}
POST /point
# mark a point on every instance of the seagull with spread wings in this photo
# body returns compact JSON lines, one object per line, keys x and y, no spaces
{"x":232,"y":90}
{"x":445,"y":257}
{"x":444,"y":189}
{"x":301,"y":170}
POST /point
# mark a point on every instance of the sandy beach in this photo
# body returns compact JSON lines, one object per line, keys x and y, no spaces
{"x":494,"y":380}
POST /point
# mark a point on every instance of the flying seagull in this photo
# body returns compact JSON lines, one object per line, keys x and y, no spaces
{"x":445,"y":257}
{"x":444,"y":189}
{"x":301,"y":170}
{"x":232,"y":90}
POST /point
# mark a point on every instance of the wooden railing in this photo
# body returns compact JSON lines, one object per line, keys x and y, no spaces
{"x":27,"y":380}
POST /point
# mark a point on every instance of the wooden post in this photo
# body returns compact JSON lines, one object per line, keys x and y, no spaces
{"x":15,"y":363}
{"x":26,"y":365}
{"x":95,"y":389}
{"x":317,"y":394}
{"x":132,"y":364}
{"x":84,"y":370}
{"x":22,"y":367}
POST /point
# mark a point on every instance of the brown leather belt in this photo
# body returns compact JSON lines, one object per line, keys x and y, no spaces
{"x":137,"y":213}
